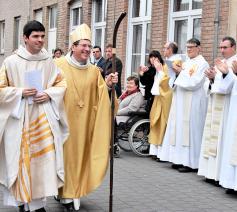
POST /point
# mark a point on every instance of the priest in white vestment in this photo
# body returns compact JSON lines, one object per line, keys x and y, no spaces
{"x":218,"y":108}
{"x":228,"y":170}
{"x":171,"y":57}
{"x":33,"y":124}
{"x":182,"y":140}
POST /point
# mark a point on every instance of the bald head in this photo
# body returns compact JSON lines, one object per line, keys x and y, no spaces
{"x":170,"y":48}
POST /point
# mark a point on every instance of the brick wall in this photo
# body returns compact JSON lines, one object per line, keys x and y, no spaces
{"x":21,"y":8}
{"x":114,"y":8}
{"x":207,"y":25}
{"x":159,"y":24}
{"x":63,"y":24}
{"x":44,"y":5}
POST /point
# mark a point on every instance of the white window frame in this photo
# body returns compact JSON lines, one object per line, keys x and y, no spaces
{"x":76,"y":4}
{"x":52,"y":30}
{"x":2,"y":36}
{"x":39,"y":15}
{"x":17,"y":37}
{"x":189,"y":15}
{"x":99,"y":25}
{"x":144,"y":21}
{"x":55,"y":18}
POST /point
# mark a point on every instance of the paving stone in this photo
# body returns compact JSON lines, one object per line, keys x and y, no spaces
{"x":141,"y":184}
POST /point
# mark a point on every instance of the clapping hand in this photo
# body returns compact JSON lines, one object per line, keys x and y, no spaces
{"x":177,"y":68}
{"x":158,"y":66}
{"x":234,"y":66}
{"x":143,"y":69}
{"x":210,"y":73}
{"x":221,"y":66}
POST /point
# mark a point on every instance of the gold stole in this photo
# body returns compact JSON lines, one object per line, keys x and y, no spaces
{"x":213,"y":125}
{"x":37,"y":140}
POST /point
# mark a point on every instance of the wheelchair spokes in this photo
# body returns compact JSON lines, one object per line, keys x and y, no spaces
{"x":138,"y":137}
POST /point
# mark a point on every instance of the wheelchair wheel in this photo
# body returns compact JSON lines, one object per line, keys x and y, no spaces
{"x":138,"y":137}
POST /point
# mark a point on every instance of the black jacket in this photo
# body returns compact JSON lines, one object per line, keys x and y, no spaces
{"x":147,"y":80}
{"x":101,"y":63}
{"x":119,"y":67}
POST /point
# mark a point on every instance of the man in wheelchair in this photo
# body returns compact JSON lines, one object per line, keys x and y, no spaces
{"x":131,"y":109}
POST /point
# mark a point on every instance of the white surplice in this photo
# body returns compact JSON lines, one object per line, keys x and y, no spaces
{"x":228,"y":170}
{"x":209,"y":166}
{"x":154,"y":149}
{"x":172,"y":73}
{"x":182,"y":140}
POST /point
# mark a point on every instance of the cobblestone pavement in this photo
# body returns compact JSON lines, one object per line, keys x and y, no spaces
{"x":144,"y":185}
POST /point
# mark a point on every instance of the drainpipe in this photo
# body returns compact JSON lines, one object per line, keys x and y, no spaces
{"x":216,"y":24}
{"x":29,"y":10}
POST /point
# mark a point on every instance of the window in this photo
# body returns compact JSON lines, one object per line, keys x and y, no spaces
{"x":53,"y":17}
{"x":139,"y":34}
{"x":39,"y":15}
{"x":2,"y":36}
{"x":184,"y":21}
{"x":16,"y":43}
{"x":75,"y":15}
{"x":52,"y":32}
{"x":99,"y":22}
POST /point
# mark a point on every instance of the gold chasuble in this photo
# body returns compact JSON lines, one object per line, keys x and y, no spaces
{"x":86,"y":151}
{"x":160,"y":110}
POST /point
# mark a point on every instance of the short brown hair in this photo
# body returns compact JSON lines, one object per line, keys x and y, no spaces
{"x":135,"y":79}
{"x":109,"y":46}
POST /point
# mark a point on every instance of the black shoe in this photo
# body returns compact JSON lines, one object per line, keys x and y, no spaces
{"x":212,"y":181}
{"x":69,"y":207}
{"x":231,"y":191}
{"x":185,"y":169}
{"x":22,"y":209}
{"x":160,"y":161}
{"x":145,"y":151}
{"x":116,"y":151}
{"x":176,"y":166}
{"x":153,"y":157}
{"x":40,"y":210}
{"x":57,"y":198}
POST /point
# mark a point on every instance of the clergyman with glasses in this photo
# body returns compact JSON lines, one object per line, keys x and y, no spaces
{"x":183,"y":136}
{"x":220,"y":87}
{"x":87,"y":103}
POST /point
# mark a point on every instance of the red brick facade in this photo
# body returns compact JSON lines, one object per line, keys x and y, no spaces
{"x":159,"y":21}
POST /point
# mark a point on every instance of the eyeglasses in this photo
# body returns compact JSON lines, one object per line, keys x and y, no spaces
{"x":85,"y":45}
{"x":224,"y":47}
{"x":95,"y":52}
{"x":191,"y":47}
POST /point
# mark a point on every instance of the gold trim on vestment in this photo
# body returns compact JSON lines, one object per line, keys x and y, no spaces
{"x":43,"y":137}
{"x":213,"y":123}
{"x":43,"y":151}
{"x":23,"y":185}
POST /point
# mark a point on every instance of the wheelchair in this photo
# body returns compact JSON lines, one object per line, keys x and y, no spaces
{"x":132,"y":135}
